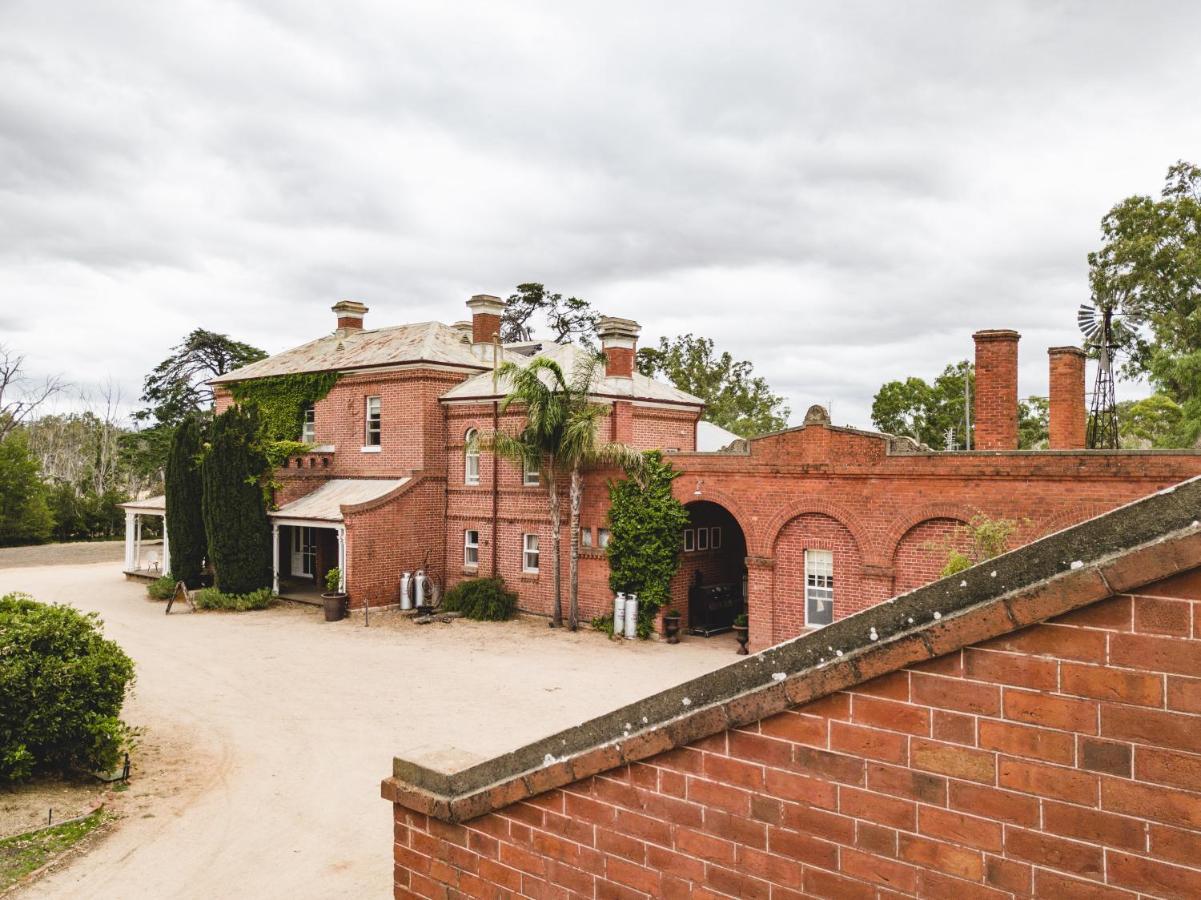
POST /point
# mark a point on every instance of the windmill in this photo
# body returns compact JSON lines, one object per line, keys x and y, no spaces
{"x":1097,"y":325}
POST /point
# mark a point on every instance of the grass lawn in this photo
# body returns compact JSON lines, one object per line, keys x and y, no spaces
{"x":22,"y":853}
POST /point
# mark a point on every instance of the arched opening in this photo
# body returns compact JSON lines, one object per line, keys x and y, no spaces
{"x":710,"y":584}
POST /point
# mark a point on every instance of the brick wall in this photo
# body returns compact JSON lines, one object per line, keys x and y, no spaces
{"x":1060,"y":760}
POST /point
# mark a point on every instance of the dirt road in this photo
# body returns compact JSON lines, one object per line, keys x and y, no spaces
{"x":269,"y":732}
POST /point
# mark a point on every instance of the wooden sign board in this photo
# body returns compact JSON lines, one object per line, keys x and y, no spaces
{"x":181,"y":594}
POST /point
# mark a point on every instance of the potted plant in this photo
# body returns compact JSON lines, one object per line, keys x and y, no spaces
{"x":334,"y":599}
{"x":742,"y":632}
{"x":671,"y":625}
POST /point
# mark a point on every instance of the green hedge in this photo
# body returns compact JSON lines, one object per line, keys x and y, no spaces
{"x":62,"y":685}
{"x":185,"y":503}
{"x":211,"y":598}
{"x":486,"y":599}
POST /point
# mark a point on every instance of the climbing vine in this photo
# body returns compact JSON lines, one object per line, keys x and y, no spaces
{"x":281,"y":400}
{"x":646,"y":531}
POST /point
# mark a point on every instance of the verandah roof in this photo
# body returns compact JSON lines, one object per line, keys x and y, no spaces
{"x":325,"y":504}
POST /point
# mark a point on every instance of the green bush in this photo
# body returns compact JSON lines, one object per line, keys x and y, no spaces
{"x":62,"y":685}
{"x":211,"y":598}
{"x":161,"y":588}
{"x":486,"y":599}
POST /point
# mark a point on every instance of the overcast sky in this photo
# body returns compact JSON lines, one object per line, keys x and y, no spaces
{"x":839,"y":192}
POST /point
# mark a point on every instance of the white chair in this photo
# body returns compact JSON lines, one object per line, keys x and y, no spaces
{"x":152,"y":563}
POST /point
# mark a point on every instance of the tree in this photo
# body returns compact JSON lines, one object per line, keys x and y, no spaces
{"x":24,"y":513}
{"x":924,"y":411}
{"x":1034,"y":423}
{"x":178,"y":386}
{"x":20,"y":398}
{"x":1149,"y":422}
{"x":1149,"y":269}
{"x":578,"y":448}
{"x":983,"y":538}
{"x":235,"y":511}
{"x":185,"y":503}
{"x":569,"y":319}
{"x":735,"y":398}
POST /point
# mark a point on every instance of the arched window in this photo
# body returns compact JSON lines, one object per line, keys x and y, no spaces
{"x":471,"y":457}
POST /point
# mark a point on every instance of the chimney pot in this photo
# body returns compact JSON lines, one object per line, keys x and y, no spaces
{"x":996,"y":389}
{"x":1067,"y":426}
{"x":619,"y":342}
{"x":350,"y":316}
{"x":486,"y":312}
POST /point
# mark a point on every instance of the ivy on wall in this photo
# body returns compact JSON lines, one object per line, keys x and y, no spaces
{"x":646,"y":531}
{"x":281,"y":400}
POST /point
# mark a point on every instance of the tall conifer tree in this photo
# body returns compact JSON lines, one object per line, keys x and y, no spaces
{"x":185,"y":495}
{"x":235,"y":511}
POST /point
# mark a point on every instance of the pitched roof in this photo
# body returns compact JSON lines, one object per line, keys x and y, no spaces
{"x":568,"y":356}
{"x":429,"y":342}
{"x":1147,"y":540}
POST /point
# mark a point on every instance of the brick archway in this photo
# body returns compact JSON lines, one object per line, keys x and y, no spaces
{"x":683,"y":489}
{"x":903,"y":524}
{"x":771,"y":532}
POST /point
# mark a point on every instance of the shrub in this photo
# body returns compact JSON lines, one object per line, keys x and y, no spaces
{"x":161,"y":588}
{"x":62,"y":685}
{"x":211,"y":598}
{"x":646,"y":525}
{"x":486,"y":599}
{"x":333,"y":580}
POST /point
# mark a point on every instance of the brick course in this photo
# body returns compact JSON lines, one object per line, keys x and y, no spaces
{"x":1045,"y":761}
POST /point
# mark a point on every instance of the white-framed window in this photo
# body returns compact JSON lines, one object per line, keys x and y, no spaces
{"x":819,"y":587}
{"x":530,"y":476}
{"x":602,"y":537}
{"x":689,"y":540}
{"x":529,"y":553}
{"x":308,"y":430}
{"x":586,"y":538}
{"x":471,"y":457}
{"x":471,"y":548}
{"x":702,"y":539}
{"x":715,"y":537}
{"x":371,"y":437}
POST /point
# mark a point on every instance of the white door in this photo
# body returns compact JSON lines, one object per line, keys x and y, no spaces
{"x":304,"y":552}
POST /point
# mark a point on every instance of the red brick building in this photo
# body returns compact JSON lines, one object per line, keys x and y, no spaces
{"x":809,"y":525}
{"x":1032,"y":728}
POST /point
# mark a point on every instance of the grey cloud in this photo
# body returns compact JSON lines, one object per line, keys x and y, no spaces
{"x":841,"y":193}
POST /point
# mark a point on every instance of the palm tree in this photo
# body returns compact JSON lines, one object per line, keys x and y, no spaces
{"x":560,"y":434}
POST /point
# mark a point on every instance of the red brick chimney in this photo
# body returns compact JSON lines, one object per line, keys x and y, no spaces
{"x":996,"y":389}
{"x":486,"y":311}
{"x":1067,"y":426}
{"x":619,"y":342}
{"x":350,"y":316}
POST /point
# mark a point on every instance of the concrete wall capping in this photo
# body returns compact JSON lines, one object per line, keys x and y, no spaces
{"x":1146,"y":540}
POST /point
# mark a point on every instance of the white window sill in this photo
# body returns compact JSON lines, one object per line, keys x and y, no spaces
{"x":375,"y":449}
{"x":529,"y":571}
{"x":471,"y":484}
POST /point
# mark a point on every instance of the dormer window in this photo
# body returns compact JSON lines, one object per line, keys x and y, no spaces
{"x":471,"y":457}
{"x":308,"y":430}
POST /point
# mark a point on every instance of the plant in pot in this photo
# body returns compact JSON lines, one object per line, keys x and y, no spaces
{"x":671,"y":625}
{"x":334,"y":599}
{"x":742,"y":632}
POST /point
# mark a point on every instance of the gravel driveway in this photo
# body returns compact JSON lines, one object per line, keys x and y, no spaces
{"x":267,"y":734}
